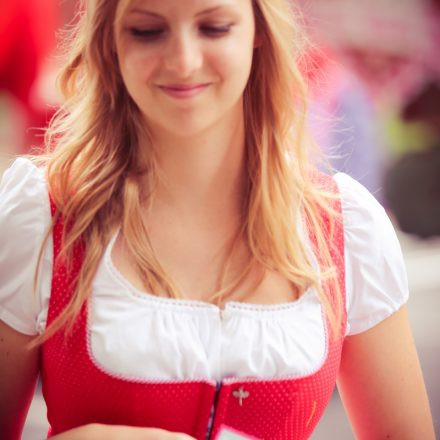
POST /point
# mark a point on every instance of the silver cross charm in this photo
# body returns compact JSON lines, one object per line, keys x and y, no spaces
{"x":240,"y":394}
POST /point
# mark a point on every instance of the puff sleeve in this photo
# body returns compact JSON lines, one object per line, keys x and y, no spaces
{"x":24,"y":220}
{"x":376,"y":280}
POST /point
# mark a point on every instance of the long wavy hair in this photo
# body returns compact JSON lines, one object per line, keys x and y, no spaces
{"x":93,"y":161}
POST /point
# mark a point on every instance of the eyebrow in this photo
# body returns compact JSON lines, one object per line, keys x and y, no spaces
{"x":209,"y":10}
{"x":145,"y":12}
{"x":154,"y":14}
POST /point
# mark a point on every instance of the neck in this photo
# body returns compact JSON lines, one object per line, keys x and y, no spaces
{"x":203,"y":175}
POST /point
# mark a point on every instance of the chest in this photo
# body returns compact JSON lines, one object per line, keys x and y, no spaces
{"x":196,"y":264}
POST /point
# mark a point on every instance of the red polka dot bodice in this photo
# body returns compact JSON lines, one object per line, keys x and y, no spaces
{"x":77,"y":391}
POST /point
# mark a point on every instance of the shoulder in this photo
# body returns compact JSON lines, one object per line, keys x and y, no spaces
{"x":365,"y":220}
{"x":24,"y":199}
{"x":357,"y":202}
{"x":376,"y":280}
{"x":23,"y":185}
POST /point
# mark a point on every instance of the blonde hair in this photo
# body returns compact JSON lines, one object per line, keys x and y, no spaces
{"x":93,"y":165}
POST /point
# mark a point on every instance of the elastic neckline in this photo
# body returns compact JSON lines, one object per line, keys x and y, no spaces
{"x":235,"y":307}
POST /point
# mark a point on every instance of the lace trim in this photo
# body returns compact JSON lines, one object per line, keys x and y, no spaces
{"x":230,"y":308}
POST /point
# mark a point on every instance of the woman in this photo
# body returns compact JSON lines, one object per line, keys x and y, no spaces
{"x":196,"y":258}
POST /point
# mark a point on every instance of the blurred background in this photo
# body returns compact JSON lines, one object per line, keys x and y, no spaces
{"x":374,"y":74}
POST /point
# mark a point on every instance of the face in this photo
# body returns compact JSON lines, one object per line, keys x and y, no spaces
{"x":186,"y":63}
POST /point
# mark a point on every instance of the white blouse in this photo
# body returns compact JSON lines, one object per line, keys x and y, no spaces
{"x":136,"y":335}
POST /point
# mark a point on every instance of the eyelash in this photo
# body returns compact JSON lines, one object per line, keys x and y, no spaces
{"x":156,"y":34}
{"x":216,"y":30}
{"x":146,"y":34}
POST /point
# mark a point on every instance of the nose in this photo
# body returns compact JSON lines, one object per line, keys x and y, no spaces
{"x":183,"y":54}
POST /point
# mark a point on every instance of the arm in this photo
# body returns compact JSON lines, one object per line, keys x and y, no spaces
{"x":96,"y":431}
{"x":18,"y":377}
{"x":381,"y":383}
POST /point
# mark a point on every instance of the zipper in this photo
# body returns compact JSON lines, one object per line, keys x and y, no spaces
{"x":213,"y":409}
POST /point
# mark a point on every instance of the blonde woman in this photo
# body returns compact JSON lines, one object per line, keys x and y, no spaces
{"x":174,"y":266}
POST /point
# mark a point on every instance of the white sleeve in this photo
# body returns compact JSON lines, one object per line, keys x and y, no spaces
{"x":376,"y":280}
{"x":24,"y":220}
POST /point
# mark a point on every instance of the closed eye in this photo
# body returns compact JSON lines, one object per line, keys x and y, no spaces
{"x":153,"y":34}
{"x":147,"y":34}
{"x":215,"y":31}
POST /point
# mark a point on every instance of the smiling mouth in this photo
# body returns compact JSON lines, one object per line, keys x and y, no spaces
{"x":183,"y":91}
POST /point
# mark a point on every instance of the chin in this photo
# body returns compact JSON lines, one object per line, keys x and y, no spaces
{"x":186,"y":131}
{"x":184,"y":126}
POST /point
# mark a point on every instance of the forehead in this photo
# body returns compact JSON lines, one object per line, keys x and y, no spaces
{"x":168,"y":6}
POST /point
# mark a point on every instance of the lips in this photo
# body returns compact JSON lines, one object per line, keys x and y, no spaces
{"x":183,"y":91}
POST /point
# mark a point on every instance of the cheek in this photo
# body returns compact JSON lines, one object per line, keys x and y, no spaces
{"x":234,"y":63}
{"x":236,"y":58}
{"x":137,"y":66}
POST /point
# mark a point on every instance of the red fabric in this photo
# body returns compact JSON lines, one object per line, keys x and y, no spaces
{"x":77,"y":391}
